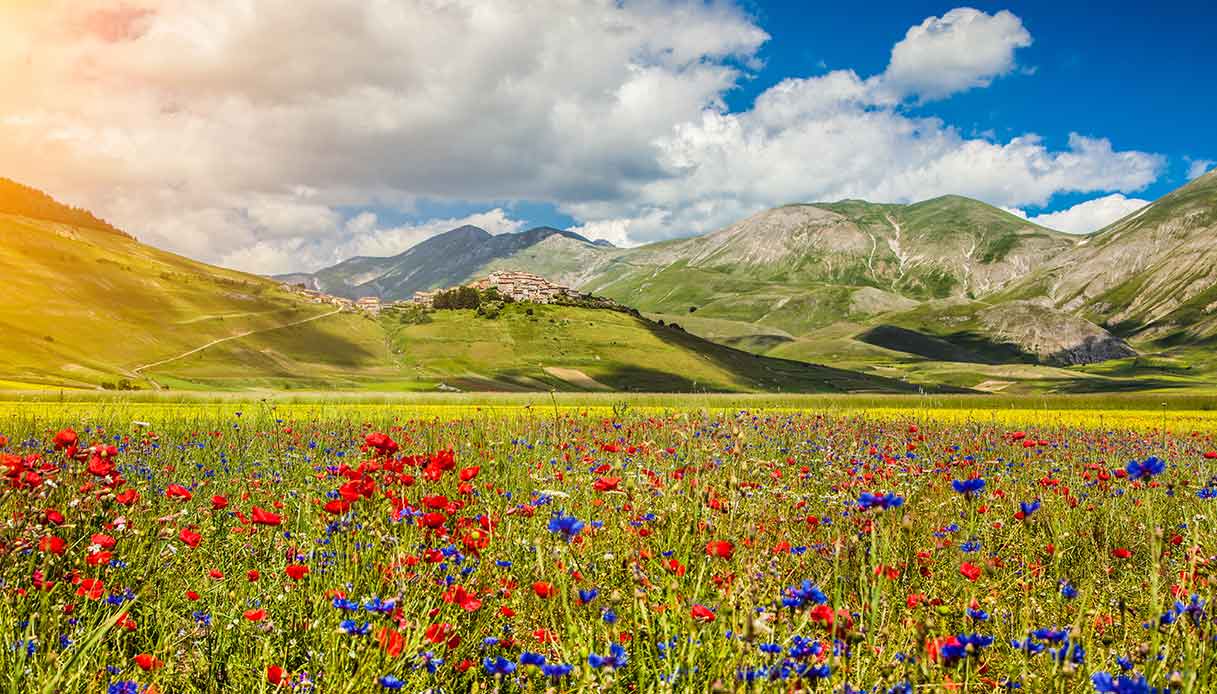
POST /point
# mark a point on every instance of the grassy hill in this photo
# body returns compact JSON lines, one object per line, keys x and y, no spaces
{"x":527,"y":347}
{"x":83,"y":306}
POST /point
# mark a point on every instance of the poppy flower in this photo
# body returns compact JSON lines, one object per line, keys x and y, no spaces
{"x":702,"y":614}
{"x":190,"y":538}
{"x":721,"y":549}
{"x":261,"y":516}
{"x":256,"y":615}
{"x":127,"y":497}
{"x":275,"y":675}
{"x":432,"y":520}
{"x":544,"y":590}
{"x":178,"y":492}
{"x":1121,"y":553}
{"x":970,"y":571}
{"x":297,"y":571}
{"x":218,"y":502}
{"x":147,"y":661}
{"x":52,"y":544}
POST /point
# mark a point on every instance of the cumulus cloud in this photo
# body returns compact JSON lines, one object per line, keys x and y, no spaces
{"x":1198,"y":167}
{"x":361,"y":235}
{"x":963,"y":49}
{"x":245,"y":133}
{"x":1089,"y":216}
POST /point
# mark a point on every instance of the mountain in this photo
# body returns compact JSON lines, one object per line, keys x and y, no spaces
{"x":454,"y":257}
{"x":84,"y":305}
{"x":913,"y":281}
{"x":1151,"y":275}
{"x":800,"y":267}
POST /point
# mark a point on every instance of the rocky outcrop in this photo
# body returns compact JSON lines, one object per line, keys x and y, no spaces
{"x":1053,"y":336}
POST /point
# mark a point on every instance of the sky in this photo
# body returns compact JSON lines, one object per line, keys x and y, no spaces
{"x":287,"y":135}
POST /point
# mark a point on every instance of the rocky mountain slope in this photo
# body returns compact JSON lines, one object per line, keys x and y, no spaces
{"x":454,"y":257}
{"x":1152,"y":275}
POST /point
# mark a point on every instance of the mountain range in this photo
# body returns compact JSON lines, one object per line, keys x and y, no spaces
{"x":949,"y":293}
{"x":887,"y":286}
{"x":84,"y":305}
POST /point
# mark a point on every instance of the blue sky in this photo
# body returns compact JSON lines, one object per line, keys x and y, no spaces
{"x":631,"y":120}
{"x":1140,"y":73}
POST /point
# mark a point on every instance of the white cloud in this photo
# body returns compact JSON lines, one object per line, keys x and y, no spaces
{"x":235,"y":132}
{"x":362,"y":235}
{"x":1198,"y":167}
{"x":1089,"y":216}
{"x":195,"y":124}
{"x":961,"y":50}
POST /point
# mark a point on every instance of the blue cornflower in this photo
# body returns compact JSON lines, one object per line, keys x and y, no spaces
{"x":868,"y":500}
{"x":568,"y":526}
{"x":969,"y":487}
{"x":390,"y":682}
{"x":353,"y":628}
{"x":609,"y":616}
{"x":616,"y":658}
{"x":586,"y":596}
{"x":557,"y":670}
{"x":124,"y":687}
{"x":1028,"y":508}
{"x":1144,"y":470}
{"x":980,"y":615}
{"x":498,"y":666}
{"x":1068,"y":591}
{"x":800,"y":596}
{"x":529,"y":658}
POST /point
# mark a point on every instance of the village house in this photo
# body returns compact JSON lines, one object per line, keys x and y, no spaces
{"x":369,"y":304}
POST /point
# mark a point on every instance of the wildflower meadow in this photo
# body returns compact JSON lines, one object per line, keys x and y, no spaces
{"x":257,"y":550}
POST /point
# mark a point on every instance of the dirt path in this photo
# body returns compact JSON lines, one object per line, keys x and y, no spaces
{"x":247,"y":333}
{"x":576,"y":377}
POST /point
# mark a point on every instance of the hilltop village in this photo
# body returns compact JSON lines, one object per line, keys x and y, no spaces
{"x":516,"y":286}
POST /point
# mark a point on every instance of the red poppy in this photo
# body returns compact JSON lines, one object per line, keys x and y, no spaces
{"x":261,"y":516}
{"x":606,"y":484}
{"x":275,"y":675}
{"x":255,"y":615}
{"x":52,"y":544}
{"x":218,"y":502}
{"x":65,"y":439}
{"x":391,"y":642}
{"x":177,"y":491}
{"x":297,"y":571}
{"x":970,"y":571}
{"x":190,"y":537}
{"x":146,"y":662}
{"x":720,"y":548}
{"x":252,"y":575}
{"x":432,"y":520}
{"x":127,"y":497}
{"x":544,"y":589}
{"x":1121,"y":553}
{"x":702,"y":614}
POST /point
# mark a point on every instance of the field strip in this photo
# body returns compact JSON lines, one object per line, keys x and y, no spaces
{"x":238,"y":336}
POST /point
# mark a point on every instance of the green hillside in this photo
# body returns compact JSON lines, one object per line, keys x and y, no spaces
{"x":84,"y":307}
{"x":526,"y":347}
